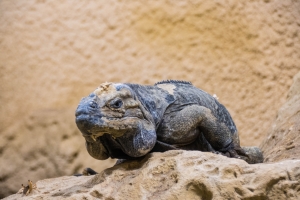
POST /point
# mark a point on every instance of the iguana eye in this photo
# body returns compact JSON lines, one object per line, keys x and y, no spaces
{"x":116,"y":103}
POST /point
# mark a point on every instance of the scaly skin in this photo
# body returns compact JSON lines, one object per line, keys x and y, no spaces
{"x":126,"y":121}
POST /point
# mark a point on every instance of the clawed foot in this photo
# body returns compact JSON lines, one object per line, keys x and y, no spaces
{"x":251,"y":155}
{"x":236,"y":152}
{"x":87,"y":172}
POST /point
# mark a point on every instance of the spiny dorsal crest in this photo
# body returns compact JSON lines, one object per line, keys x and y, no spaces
{"x":173,"y":81}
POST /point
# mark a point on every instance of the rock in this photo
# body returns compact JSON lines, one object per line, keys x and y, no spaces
{"x":45,"y":144}
{"x":283,"y":141}
{"x":179,"y":175}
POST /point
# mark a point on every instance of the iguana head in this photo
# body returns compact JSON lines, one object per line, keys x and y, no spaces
{"x":114,"y":123}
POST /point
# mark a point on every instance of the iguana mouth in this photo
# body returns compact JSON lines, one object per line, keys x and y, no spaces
{"x":99,"y":134}
{"x":95,"y":136}
{"x":114,"y":133}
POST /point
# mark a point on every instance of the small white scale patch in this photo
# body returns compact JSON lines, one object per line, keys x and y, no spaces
{"x":104,"y":89}
{"x":215,"y":96}
{"x":168,"y":87}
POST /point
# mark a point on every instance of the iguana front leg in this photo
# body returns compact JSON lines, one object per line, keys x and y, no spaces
{"x":185,"y":127}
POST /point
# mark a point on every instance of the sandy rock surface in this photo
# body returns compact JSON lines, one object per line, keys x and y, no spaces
{"x":283,"y":140}
{"x":179,"y":175}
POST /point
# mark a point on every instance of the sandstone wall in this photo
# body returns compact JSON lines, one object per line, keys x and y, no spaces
{"x":282,"y":141}
{"x":54,"y":52}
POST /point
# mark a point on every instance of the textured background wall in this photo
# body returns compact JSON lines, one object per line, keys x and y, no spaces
{"x":55,"y":52}
{"x":52,"y":53}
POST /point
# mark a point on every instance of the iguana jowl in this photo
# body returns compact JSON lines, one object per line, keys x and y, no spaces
{"x":125,"y":121}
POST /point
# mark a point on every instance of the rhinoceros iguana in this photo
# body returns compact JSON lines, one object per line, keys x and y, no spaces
{"x":126,"y":121}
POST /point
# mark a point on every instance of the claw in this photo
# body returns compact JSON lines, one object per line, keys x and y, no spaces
{"x":93,"y":137}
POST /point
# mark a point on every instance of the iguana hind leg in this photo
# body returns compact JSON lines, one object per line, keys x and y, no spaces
{"x":194,"y":122}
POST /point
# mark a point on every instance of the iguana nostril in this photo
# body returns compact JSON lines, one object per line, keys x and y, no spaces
{"x":93,"y":105}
